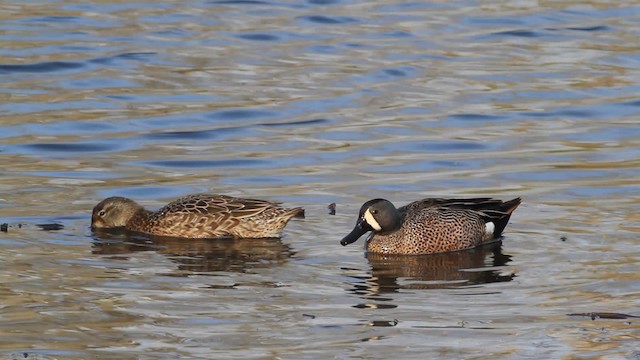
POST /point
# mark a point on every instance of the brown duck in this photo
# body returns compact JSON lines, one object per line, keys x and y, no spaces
{"x":431,"y":225}
{"x":196,"y":216}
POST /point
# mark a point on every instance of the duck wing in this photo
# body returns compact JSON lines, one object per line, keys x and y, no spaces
{"x":489,"y":209}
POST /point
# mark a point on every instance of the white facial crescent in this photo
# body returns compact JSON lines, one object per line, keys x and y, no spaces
{"x":371,"y":221}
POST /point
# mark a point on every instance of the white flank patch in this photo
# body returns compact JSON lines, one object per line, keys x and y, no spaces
{"x":371,"y":221}
{"x":489,"y":228}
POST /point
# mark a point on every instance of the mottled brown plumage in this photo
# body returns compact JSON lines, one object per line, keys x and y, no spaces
{"x":197,"y":216}
{"x":431,"y":225}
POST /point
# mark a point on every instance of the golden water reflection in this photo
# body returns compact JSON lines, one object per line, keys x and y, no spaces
{"x":199,"y":255}
{"x":394,"y":273}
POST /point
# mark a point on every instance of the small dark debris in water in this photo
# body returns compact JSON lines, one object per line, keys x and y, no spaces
{"x":332,"y":208}
{"x":563,"y":238}
{"x":25,"y":355}
{"x":4,"y":227}
{"x":309,"y":316}
{"x":604,"y":315}
{"x":50,"y":227}
{"x":384,"y":323}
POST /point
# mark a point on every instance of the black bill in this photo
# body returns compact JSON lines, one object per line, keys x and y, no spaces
{"x":360,"y":229}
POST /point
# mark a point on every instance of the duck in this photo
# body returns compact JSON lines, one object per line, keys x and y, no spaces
{"x":197,"y":216}
{"x":432,"y":225}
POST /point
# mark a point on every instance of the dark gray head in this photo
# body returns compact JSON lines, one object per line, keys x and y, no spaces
{"x":377,"y":215}
{"x":113,"y":212}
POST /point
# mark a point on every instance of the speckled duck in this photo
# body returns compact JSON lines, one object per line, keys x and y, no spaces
{"x":431,"y":225}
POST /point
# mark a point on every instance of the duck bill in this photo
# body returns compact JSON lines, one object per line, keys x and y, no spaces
{"x":360,"y":229}
{"x":96,"y":223}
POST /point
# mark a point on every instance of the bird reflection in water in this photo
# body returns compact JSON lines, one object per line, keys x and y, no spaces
{"x":391,"y":273}
{"x":198,"y":255}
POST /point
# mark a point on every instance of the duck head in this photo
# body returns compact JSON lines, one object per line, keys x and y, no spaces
{"x":377,"y":215}
{"x":113,"y":212}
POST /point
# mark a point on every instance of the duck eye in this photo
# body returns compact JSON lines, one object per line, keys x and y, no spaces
{"x":374,"y":211}
{"x":102,"y":213}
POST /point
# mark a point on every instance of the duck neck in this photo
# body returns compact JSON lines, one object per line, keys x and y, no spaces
{"x":394,"y":225}
{"x":138,"y":215}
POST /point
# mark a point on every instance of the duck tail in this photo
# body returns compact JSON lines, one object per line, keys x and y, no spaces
{"x":297,"y":213}
{"x":507,"y":207}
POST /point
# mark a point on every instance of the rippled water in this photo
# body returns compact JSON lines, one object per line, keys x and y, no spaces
{"x":311,"y":103}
